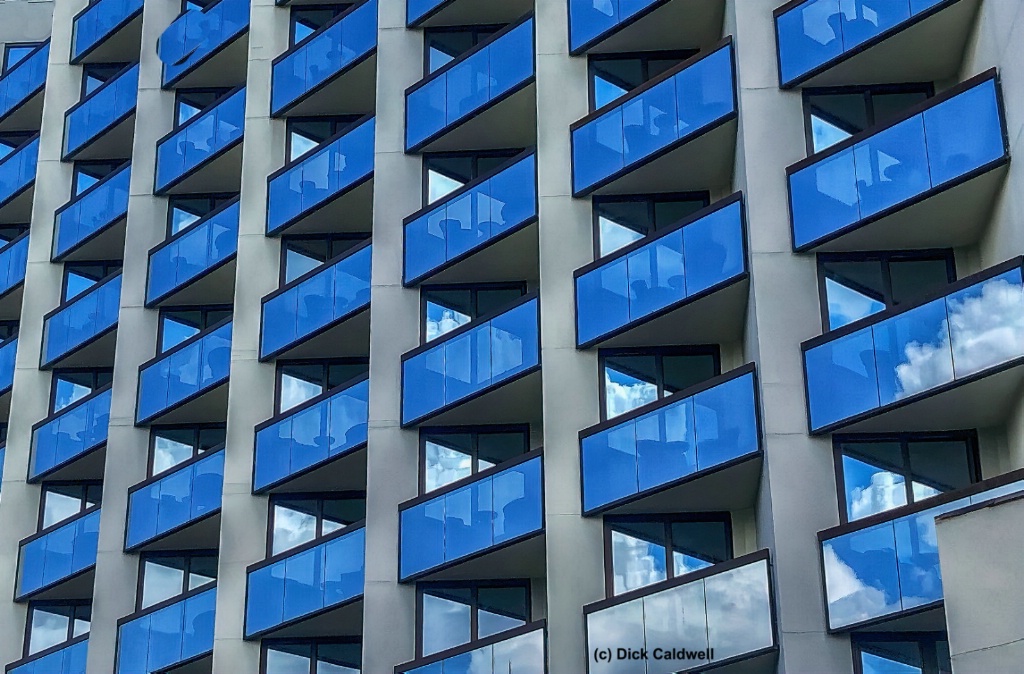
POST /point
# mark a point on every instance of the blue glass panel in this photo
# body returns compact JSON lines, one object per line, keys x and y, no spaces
{"x":517,"y":501}
{"x":866,"y":19}
{"x":7,"y":353}
{"x":60,"y":554}
{"x":912,"y":352}
{"x":983,"y":324}
{"x":268,"y":584}
{"x":656,"y":275}
{"x":713,"y":249}
{"x":863,"y":570}
{"x":344,"y":568}
{"x":823,"y":197}
{"x":93,"y":211}
{"x":98,"y":22}
{"x":86,"y":317}
{"x":196,"y":35}
{"x":69,"y":660}
{"x":510,"y":60}
{"x":133,"y":645}
{"x":77,"y":430}
{"x":169,"y":636}
{"x":602,"y":300}
{"x":842,"y":380}
{"x":467,"y":520}
{"x":422,"y":539}
{"x":23,"y":80}
{"x":302,"y":591}
{"x":88,"y":120}
{"x":891,"y":166}
{"x":953,"y":150}
{"x":193,"y":253}
{"x":201,"y":139}
{"x":726,"y":422}
{"x":165,"y":637}
{"x":143,"y":507}
{"x":609,"y":465}
{"x":18,"y":170}
{"x":13,"y":262}
{"x":415,"y":9}
{"x":197,"y":635}
{"x":514,"y":342}
{"x":176,"y":499}
{"x":590,"y":19}
{"x":423,"y":382}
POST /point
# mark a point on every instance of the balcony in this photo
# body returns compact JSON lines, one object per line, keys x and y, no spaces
{"x":325,"y":187}
{"x":927,"y":181}
{"x":17,"y":182}
{"x":518,"y":651}
{"x":723,"y":616}
{"x":8,"y":350}
{"x":493,"y":519}
{"x":205,"y":153}
{"x":80,"y":332}
{"x":482,"y":231}
{"x":635,"y":25}
{"x":178,"y":510}
{"x":489,"y":367}
{"x":92,"y":225}
{"x":57,"y":562}
{"x":102,"y":125}
{"x":698,"y":449}
{"x":21,"y":92}
{"x":317,"y":444}
{"x":953,"y":358}
{"x":202,"y":48}
{"x":187,"y":384}
{"x":13,"y":263}
{"x":66,"y":658}
{"x":107,"y":31}
{"x":333,"y":70}
{"x":826,"y":43}
{"x":436,"y":13}
{"x":196,"y":265}
{"x":486,"y":98}
{"x":66,"y":444}
{"x":168,"y":635}
{"x":313,"y":590}
{"x":689,"y":281}
{"x":676,"y":132}
{"x":885,"y":568}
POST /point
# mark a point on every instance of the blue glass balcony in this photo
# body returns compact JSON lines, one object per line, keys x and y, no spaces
{"x":892,"y":369}
{"x":167,"y":635}
{"x":8,"y":350}
{"x":634,"y":25}
{"x":107,"y":31}
{"x":91,"y":225}
{"x":201,"y":48}
{"x":329,"y":68}
{"x":72,"y":436}
{"x":441,"y":13}
{"x":167,"y":504}
{"x":205,"y":153}
{"x":79,"y":332}
{"x":21,"y":91}
{"x":330,"y":184}
{"x":928,"y":180}
{"x":17,"y":178}
{"x":307,"y":582}
{"x":102,"y":125}
{"x":187,"y":381}
{"x":479,"y":358}
{"x":487,"y":514}
{"x":694,"y":450}
{"x":697,"y":609}
{"x":480,"y":215}
{"x":13,"y":263}
{"x":310,"y":437}
{"x":835,"y":42}
{"x":518,"y":650}
{"x":194,"y":266}
{"x":481,"y":85}
{"x":689,"y":281}
{"x":68,"y":658}
{"x":303,"y":313}
{"x":882,"y":567}
{"x":60,"y":555}
{"x":676,"y":132}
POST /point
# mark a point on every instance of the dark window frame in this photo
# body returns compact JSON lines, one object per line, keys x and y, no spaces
{"x":9,"y":47}
{"x":476,"y":431}
{"x":659,"y":352}
{"x":215,"y":200}
{"x":328,"y":237}
{"x":321,"y":498}
{"x":477,"y":32}
{"x":313,"y":642}
{"x":645,"y":57}
{"x":652,"y":200}
{"x":475,"y":288}
{"x":109,"y":267}
{"x":474,"y":586}
{"x":185,"y":91}
{"x":74,"y":604}
{"x":83,"y":505}
{"x":96,"y":372}
{"x":339,"y":124}
{"x":475,"y":155}
{"x":89,"y":68}
{"x":112,"y":165}
{"x":968,"y":436}
{"x":929,"y":658}
{"x":325,"y":362}
{"x":188,"y":555}
{"x":337,"y":7}
{"x":204,"y":309}
{"x":196,"y":451}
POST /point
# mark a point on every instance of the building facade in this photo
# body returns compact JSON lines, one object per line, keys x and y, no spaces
{"x":462,"y":336}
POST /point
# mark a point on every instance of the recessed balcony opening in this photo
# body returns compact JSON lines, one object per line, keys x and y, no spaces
{"x":21,"y":91}
{"x":208,"y":47}
{"x":435,"y":13}
{"x":102,"y":124}
{"x":92,"y":225}
{"x":107,"y":31}
{"x":17,"y":182}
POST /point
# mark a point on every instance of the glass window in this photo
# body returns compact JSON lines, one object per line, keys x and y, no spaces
{"x":167,"y":576}
{"x":11,"y":141}
{"x":452,"y":614}
{"x":81,"y":276}
{"x":858,"y":285}
{"x":451,"y":454}
{"x":178,"y":325}
{"x":52,"y":624}
{"x":444,"y":45}
{"x":62,"y":501}
{"x":446,"y":308}
{"x":95,"y":75}
{"x":307,"y":133}
{"x":835,"y":114}
{"x":312,"y":656}
{"x":443,"y":173}
{"x":621,"y":220}
{"x":306,"y":20}
{"x":902,"y":653}
{"x":640,"y":547}
{"x":612,"y":76}
{"x":881,"y":473}
{"x":300,"y":519}
{"x":11,"y":232}
{"x":302,"y":380}
{"x":14,"y":53}
{"x":190,"y":102}
{"x":631,"y":378}
{"x":172,"y":445}
{"x":183,"y":212}
{"x":88,"y":173}
{"x":71,"y":385}
{"x":302,"y":254}
{"x":8,"y":329}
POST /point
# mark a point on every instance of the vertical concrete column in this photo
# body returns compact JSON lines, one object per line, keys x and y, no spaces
{"x":389,"y":608}
{"x":31,"y":394}
{"x":575,"y":549}
{"x":798,"y":493}
{"x":128,"y":446}
{"x":243,"y":531}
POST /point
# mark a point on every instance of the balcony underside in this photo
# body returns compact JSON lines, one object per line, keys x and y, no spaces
{"x":511,"y":122}
{"x":203,"y":665}
{"x":226,"y":68}
{"x":928,"y":51}
{"x":26,"y":117}
{"x":18,"y":210}
{"x":350,"y":211}
{"x":97,"y":352}
{"x":106,"y":244}
{"x":344,"y":621}
{"x":511,"y":258}
{"x":670,"y":25}
{"x":352,"y":92}
{"x":87,"y":466}
{"x":208,"y":407}
{"x":223,"y":173}
{"x":517,"y":401}
{"x":78,"y":586}
{"x":112,"y":143}
{"x":121,"y":46}
{"x":349,"y":337}
{"x":522,"y":559}
{"x":763,"y":663}
{"x":211,"y":287}
{"x":5,"y":406}
{"x":344,"y":473}
{"x":715,"y":318}
{"x":10,"y":303}
{"x":705,"y":162}
{"x":951,"y":218}
{"x":203,"y":534}
{"x":469,"y":12}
